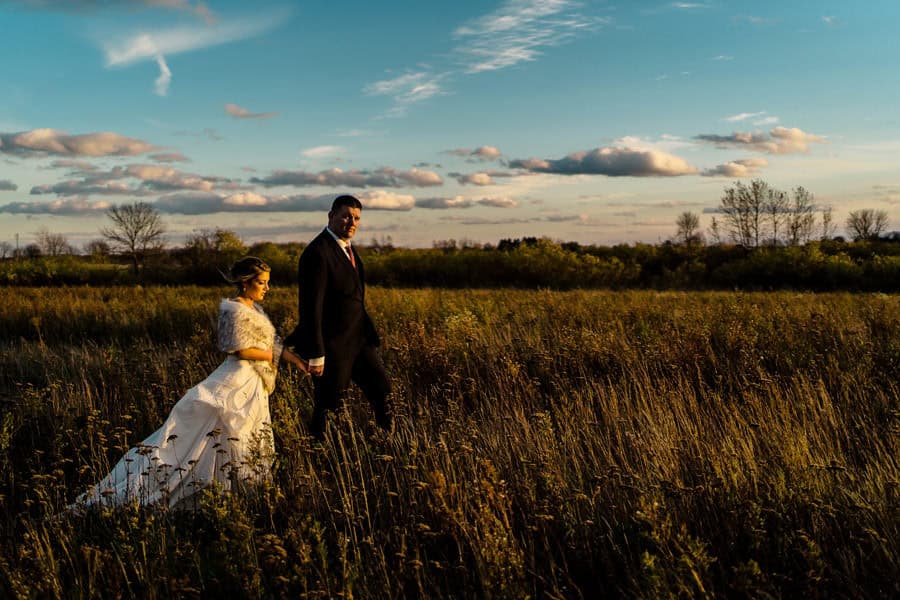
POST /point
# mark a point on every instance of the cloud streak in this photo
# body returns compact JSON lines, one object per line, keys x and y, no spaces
{"x":239,"y":112}
{"x":138,"y":47}
{"x":738,"y":168}
{"x":482,"y":153}
{"x":383,"y":177}
{"x":199,"y":9}
{"x":43,"y":142}
{"x":780,"y":140}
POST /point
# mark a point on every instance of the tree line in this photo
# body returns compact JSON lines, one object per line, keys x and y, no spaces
{"x":759,"y":238}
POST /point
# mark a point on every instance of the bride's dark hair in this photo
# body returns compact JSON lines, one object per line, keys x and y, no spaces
{"x":245,"y":269}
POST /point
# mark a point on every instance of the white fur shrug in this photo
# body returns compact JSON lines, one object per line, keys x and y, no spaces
{"x":242,"y":327}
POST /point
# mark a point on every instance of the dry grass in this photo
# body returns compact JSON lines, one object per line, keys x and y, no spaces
{"x":577,"y":444}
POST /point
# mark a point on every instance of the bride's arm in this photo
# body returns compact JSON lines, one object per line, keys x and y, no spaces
{"x":295,"y":360}
{"x":254,"y":354}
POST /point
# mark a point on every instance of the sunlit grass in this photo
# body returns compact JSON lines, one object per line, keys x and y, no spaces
{"x":553,"y":444}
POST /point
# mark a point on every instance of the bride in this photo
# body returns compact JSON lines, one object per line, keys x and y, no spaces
{"x":219,"y":432}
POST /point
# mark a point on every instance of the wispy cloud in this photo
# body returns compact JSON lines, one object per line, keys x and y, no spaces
{"x":138,"y":47}
{"x":780,"y":140}
{"x":830,"y":20}
{"x":519,"y":31}
{"x":7,"y":186}
{"x":743,"y":116}
{"x":724,"y":57}
{"x":407,"y":89}
{"x":611,"y":162}
{"x":161,"y":85}
{"x":688,"y":5}
{"x":239,"y":112}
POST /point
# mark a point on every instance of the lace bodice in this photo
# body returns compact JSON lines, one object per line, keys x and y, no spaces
{"x":242,"y":327}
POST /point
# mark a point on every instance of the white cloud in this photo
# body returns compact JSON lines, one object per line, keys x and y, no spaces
{"x":612,"y":162}
{"x":444,"y":203}
{"x":384,"y":200}
{"x":665,"y":143}
{"x":738,"y":168}
{"x":245,"y":199}
{"x":474,"y":179}
{"x":743,"y":116}
{"x":322,"y":151}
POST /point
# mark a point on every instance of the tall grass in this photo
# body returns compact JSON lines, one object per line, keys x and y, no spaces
{"x":547,"y":444}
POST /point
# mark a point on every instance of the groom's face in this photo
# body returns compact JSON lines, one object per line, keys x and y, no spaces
{"x":343,"y":221}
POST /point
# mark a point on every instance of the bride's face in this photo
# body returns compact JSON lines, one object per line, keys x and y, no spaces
{"x":257,"y":287}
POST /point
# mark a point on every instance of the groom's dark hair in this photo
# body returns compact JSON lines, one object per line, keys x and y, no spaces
{"x":345,"y":200}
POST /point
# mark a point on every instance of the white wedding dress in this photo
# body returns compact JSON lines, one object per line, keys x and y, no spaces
{"x":218,"y":432}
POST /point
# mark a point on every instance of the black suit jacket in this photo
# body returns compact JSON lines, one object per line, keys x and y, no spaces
{"x":333,"y":321}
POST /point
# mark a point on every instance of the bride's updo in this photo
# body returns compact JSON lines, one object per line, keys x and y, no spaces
{"x":245,"y":269}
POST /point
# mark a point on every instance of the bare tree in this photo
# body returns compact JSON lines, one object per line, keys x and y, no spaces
{"x":801,"y":217}
{"x":714,"y":231}
{"x":52,"y":244}
{"x":137,"y":229}
{"x":688,"y":231}
{"x":775,"y":203}
{"x":6,"y":250}
{"x":867,"y":223}
{"x":743,"y":208}
{"x":828,"y":226}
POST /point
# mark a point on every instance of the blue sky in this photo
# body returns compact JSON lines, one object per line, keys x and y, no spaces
{"x":589,"y":121}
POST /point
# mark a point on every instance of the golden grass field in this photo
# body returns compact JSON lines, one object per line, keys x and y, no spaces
{"x":548,"y":444}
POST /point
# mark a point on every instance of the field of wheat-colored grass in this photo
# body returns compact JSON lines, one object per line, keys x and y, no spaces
{"x":547,"y":445}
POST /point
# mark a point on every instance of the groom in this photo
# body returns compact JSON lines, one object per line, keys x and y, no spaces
{"x":335,"y":333}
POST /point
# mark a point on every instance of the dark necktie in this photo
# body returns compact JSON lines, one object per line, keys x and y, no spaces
{"x":350,"y":254}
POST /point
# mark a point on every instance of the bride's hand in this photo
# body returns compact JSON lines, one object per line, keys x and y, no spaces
{"x":296,"y":360}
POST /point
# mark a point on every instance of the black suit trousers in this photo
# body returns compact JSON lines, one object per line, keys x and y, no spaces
{"x":367,"y":371}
